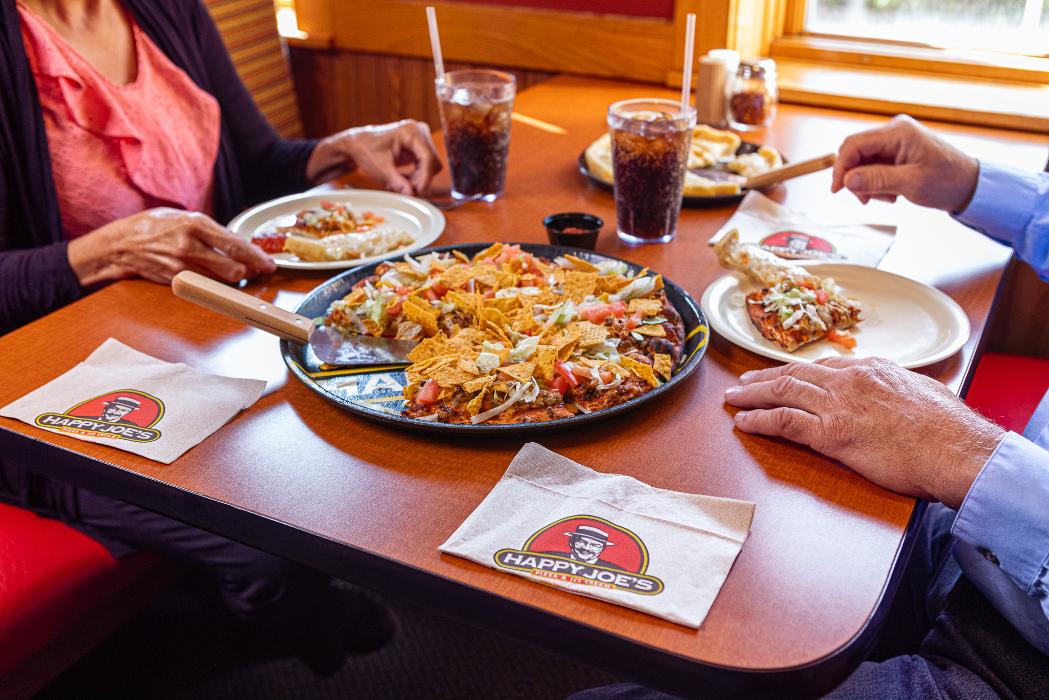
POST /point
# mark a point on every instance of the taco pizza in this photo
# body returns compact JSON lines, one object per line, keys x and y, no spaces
{"x":509,"y":337}
{"x":794,"y":307}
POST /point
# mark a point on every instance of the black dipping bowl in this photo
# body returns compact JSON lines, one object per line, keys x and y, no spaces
{"x":589,"y":224}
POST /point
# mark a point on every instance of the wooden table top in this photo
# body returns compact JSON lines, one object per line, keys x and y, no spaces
{"x":824,"y":540}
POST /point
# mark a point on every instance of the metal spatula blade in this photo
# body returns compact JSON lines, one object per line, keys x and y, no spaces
{"x":330,"y":346}
{"x":333,"y":348}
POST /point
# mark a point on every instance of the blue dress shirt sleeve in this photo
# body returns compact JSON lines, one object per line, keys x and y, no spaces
{"x":1012,"y":206}
{"x":1002,"y":533}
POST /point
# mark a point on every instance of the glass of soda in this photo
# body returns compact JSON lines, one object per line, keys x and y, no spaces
{"x":475,"y":114}
{"x":651,"y":139}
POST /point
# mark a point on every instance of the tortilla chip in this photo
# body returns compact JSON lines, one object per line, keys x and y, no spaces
{"x":659,"y":282}
{"x":467,"y":337}
{"x":524,"y":322}
{"x":545,"y":357}
{"x":474,"y":405}
{"x":580,"y":264}
{"x":521,"y":372}
{"x":565,"y":343}
{"x":428,"y":348}
{"x":489,"y":252}
{"x":610,"y":284}
{"x":355,"y":298}
{"x":372,"y":327}
{"x":479,"y":384}
{"x":461,"y":256}
{"x":495,"y":332}
{"x":647,"y":307}
{"x":653,"y":330}
{"x":640,"y":369}
{"x":450,"y":376}
{"x":425,"y":316}
{"x":589,"y":333}
{"x":455,"y":276}
{"x":579,"y":285}
{"x":487,"y":276}
{"x":495,"y":316}
{"x":469,"y":366}
{"x":663,"y":365}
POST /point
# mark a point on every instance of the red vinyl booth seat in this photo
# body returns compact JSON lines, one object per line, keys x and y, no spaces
{"x":1008,"y":388}
{"x":53,"y":577}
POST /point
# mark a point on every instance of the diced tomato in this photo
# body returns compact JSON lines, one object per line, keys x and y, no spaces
{"x":508,"y":253}
{"x":843,"y":339}
{"x":821,"y":296}
{"x":595,"y":314}
{"x":490,"y":294}
{"x":566,"y":372}
{"x":439,"y":289}
{"x":272,"y":242}
{"x":430,"y":294}
{"x":394,"y":309}
{"x":633,"y":322}
{"x":560,"y":385}
{"x":325,"y":204}
{"x":582,"y":372}
{"x":429,"y":393}
{"x":403,"y":291}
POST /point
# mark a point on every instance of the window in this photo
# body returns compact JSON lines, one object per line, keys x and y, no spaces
{"x":1008,"y":26}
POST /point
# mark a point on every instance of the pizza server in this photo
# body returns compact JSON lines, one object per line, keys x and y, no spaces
{"x":329,"y":345}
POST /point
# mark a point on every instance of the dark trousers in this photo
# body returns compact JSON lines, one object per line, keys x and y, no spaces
{"x":942,"y":639}
{"x":249,"y":581}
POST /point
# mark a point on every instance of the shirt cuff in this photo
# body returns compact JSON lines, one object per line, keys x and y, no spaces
{"x":1004,"y":514}
{"x":1003,"y":204}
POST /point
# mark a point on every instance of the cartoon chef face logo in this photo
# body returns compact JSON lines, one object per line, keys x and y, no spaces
{"x":795,"y":244}
{"x":127,"y":414}
{"x":586,"y":550}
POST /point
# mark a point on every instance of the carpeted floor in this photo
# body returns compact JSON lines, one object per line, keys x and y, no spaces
{"x":185,"y":646}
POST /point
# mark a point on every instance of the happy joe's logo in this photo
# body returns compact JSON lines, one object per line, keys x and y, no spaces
{"x":119,"y":415}
{"x":795,"y":244}
{"x":586,"y":550}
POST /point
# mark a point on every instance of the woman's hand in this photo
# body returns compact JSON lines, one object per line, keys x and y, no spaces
{"x":379,"y":152}
{"x":157,"y":244}
{"x":902,"y":157}
{"x":903,"y":431}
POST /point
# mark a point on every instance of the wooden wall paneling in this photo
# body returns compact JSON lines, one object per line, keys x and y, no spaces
{"x":340,"y":89}
{"x":546,"y":40}
{"x":1021,"y":323}
{"x":249,"y":30}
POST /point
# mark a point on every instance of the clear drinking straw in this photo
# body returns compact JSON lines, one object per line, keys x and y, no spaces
{"x":686,"y":72}
{"x":435,"y":42}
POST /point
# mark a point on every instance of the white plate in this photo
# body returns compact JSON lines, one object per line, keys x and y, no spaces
{"x":421,"y":220}
{"x":903,"y":320}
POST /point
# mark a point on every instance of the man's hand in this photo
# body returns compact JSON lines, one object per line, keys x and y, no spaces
{"x":379,"y":152}
{"x":902,"y":157}
{"x":157,"y":244}
{"x":903,"y":431}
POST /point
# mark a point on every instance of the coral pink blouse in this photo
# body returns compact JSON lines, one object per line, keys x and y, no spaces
{"x":117,"y":150}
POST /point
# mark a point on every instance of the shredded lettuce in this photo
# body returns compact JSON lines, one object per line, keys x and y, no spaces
{"x":638,"y":288}
{"x":487,"y":361}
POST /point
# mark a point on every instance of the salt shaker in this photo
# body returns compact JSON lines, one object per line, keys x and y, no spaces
{"x":711,"y":84}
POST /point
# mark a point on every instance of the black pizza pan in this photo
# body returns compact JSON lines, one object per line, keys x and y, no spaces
{"x":693,"y":202}
{"x":376,"y":393}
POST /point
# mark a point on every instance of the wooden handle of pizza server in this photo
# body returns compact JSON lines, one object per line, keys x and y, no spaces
{"x":786,"y":172}
{"x":239,"y":306}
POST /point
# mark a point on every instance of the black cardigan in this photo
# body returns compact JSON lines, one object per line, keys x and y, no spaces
{"x":253,"y":163}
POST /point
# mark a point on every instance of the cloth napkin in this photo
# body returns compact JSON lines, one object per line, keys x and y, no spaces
{"x":606,"y":536}
{"x":791,"y":234}
{"x":121,"y":397}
